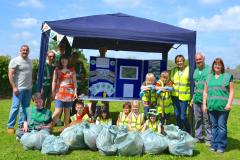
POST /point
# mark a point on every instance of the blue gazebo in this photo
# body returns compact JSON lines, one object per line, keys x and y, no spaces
{"x":119,"y":32}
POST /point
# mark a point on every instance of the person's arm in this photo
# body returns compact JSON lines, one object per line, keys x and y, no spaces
{"x":231,"y":95}
{"x":159,"y":128}
{"x":204,"y":107}
{"x":11,"y":73}
{"x":75,"y":84}
{"x":118,"y":120}
{"x":144,"y":127}
{"x":54,"y":83}
{"x":129,"y":124}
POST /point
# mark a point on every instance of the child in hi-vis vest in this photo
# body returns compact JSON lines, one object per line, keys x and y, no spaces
{"x":123,"y":117}
{"x":104,"y":117}
{"x":164,"y":102}
{"x":148,"y":93}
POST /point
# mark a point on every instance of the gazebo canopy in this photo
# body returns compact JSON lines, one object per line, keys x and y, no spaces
{"x":119,"y":32}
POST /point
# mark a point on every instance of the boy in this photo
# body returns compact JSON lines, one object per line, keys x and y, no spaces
{"x":38,"y":117}
{"x":164,"y":102}
{"x":82,"y":113}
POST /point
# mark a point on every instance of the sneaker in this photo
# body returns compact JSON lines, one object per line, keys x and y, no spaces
{"x":212,"y":149}
{"x":10,"y":130}
{"x":208,"y":143}
{"x":17,"y":138}
{"x":220,"y":151}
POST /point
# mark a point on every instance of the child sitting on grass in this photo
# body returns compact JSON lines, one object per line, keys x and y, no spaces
{"x":123,"y":117}
{"x":104,"y":117}
{"x":82,"y":113}
{"x":38,"y":117}
{"x":152,"y":123}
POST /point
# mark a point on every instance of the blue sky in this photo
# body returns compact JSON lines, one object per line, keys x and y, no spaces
{"x":217,"y":23}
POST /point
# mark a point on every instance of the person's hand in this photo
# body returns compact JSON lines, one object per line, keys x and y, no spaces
{"x":204,"y":108}
{"x":25,"y":128}
{"x":228,"y":107}
{"x":15,"y":91}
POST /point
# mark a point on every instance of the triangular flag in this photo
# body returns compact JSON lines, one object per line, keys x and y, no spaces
{"x":45,"y":27}
{"x":52,"y":34}
{"x":59,"y":38}
{"x":70,"y":40}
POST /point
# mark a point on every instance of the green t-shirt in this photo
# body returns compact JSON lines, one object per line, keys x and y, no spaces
{"x":37,"y":117}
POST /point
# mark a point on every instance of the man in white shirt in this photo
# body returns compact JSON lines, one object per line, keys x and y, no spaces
{"x":20,"y":78}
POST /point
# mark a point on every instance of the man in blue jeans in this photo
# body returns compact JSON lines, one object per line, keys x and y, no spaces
{"x":20,"y":78}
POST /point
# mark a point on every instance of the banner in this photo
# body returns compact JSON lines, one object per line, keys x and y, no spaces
{"x":70,"y":40}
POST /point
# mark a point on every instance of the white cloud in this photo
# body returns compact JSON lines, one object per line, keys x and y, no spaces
{"x":228,"y":20}
{"x":22,"y":35}
{"x":123,"y":3}
{"x":25,"y":22}
{"x":31,"y":3}
{"x":210,"y":2}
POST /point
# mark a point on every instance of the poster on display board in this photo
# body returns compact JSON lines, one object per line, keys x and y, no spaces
{"x":120,"y":78}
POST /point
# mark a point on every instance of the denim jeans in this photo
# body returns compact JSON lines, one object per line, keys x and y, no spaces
{"x":202,"y":123}
{"x":180,"y":109}
{"x":22,"y":99}
{"x":219,"y":129}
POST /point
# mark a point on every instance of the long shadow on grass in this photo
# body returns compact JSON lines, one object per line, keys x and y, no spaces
{"x":233,"y":144}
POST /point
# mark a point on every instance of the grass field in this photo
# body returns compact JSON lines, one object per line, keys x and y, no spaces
{"x":11,"y":149}
{"x":237,"y":90}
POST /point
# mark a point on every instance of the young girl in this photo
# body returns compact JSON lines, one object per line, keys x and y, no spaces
{"x":136,"y":119}
{"x":104,"y":117}
{"x":64,"y":89}
{"x":152,"y":122}
{"x":148,"y":93}
{"x":123,"y":117}
{"x":164,"y":102}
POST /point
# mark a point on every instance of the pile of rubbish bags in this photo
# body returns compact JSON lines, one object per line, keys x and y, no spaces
{"x":111,"y":140}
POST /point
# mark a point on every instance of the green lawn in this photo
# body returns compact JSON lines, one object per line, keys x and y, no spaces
{"x":11,"y":149}
{"x":236,"y":90}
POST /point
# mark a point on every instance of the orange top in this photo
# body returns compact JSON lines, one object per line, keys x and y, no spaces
{"x":65,"y":85}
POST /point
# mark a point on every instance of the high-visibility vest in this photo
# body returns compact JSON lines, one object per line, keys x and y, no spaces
{"x":181,"y":85}
{"x":200,"y":77}
{"x":146,"y":96}
{"x":123,"y":119}
{"x":104,"y":121}
{"x":152,"y":126}
{"x":84,"y":118}
{"x":167,"y":101}
{"x":136,"y":122}
{"x":218,"y":91}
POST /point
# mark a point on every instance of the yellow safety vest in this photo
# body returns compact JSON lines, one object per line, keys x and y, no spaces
{"x":152,"y":126}
{"x":181,"y":85}
{"x":123,"y":119}
{"x":136,"y":122}
{"x":104,"y":121}
{"x":167,"y":101}
{"x":146,"y":96}
{"x":74,"y":117}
